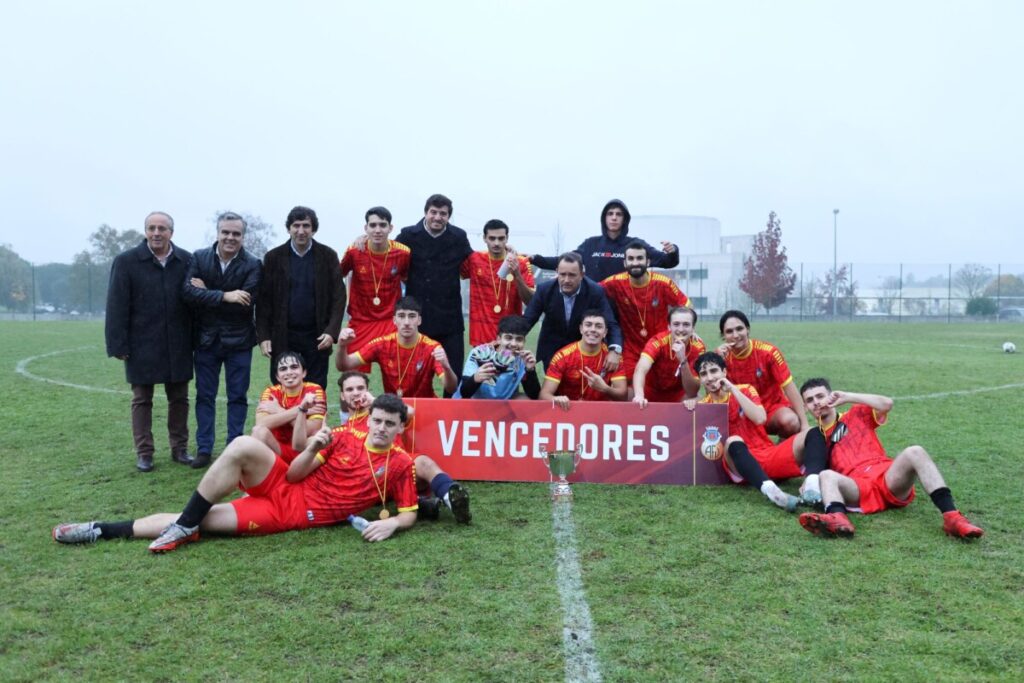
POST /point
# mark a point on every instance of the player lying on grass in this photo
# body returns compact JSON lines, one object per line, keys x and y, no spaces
{"x":665,"y":372}
{"x":577,"y":371}
{"x":861,"y":477}
{"x":291,"y":410}
{"x":355,"y":402}
{"x":339,"y":473}
{"x":496,"y":370}
{"x":756,"y":362}
{"x":752,"y":457}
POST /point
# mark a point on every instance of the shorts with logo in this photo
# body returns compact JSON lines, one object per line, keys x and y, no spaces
{"x":875,"y":495}
{"x":272,"y":506}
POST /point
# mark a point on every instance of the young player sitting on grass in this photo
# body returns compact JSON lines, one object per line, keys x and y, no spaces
{"x":355,"y":401}
{"x":339,"y":473}
{"x":496,"y":370}
{"x":750,"y":455}
{"x":291,"y":410}
{"x":665,"y":371}
{"x":861,"y":477}
{"x":577,"y":371}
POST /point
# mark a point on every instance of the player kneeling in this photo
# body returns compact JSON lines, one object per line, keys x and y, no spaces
{"x":338,"y":474}
{"x":862,"y":478}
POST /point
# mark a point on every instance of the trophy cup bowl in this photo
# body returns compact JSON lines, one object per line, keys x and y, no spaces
{"x":561,"y":464}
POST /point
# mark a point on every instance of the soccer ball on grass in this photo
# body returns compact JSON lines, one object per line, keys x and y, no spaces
{"x":1009,"y":347}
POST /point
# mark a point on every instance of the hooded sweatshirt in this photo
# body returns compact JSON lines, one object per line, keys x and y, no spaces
{"x":604,"y":256}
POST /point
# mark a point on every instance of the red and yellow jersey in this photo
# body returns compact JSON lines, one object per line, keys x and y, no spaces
{"x":852,"y":441}
{"x":354,"y":476}
{"x":754,"y":435}
{"x":277,"y":393}
{"x":642,"y":311}
{"x":763,"y":366}
{"x":405,"y":370}
{"x":376,"y":280}
{"x":491,"y":298}
{"x":664,"y":373}
{"x":566,"y":368}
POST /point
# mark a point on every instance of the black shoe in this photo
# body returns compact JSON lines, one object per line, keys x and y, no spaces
{"x":458,"y":500}
{"x":200,"y":461}
{"x":182,"y":458}
{"x":144,"y":463}
{"x":430,"y":509}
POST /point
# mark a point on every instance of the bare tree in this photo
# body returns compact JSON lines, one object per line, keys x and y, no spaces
{"x":971,"y":279}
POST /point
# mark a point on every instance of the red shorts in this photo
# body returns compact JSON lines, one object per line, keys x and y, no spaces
{"x":272,"y":506}
{"x":777,"y":462}
{"x":875,"y":495}
{"x":776,"y":407}
{"x":287,"y":452}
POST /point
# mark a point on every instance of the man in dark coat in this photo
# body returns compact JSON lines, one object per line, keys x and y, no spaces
{"x":149,"y":327}
{"x":562,"y":302}
{"x":301,"y":298}
{"x":604,"y":255}
{"x":437,"y":250}
{"x":221,"y":287}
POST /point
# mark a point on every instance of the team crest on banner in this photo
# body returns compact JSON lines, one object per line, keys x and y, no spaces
{"x":711,"y":446}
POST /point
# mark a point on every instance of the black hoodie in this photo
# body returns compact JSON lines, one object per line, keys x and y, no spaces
{"x":604,"y":256}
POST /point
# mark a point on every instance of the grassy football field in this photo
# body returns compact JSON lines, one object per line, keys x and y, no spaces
{"x":682,"y":583}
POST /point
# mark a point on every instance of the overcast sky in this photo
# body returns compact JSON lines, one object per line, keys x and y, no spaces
{"x":907,"y":116}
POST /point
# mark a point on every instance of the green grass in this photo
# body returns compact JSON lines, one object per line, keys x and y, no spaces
{"x":682,"y":583}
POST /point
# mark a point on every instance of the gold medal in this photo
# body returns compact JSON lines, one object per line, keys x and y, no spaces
{"x":384,"y":514}
{"x":643,"y":331}
{"x":497,"y":308}
{"x":510,"y":277}
{"x":376,"y":301}
{"x":398,"y":393}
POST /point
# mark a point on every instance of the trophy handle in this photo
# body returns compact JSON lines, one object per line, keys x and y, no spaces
{"x":577,"y":457}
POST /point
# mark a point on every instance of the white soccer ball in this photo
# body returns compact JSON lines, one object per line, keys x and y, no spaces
{"x":1009,"y":347}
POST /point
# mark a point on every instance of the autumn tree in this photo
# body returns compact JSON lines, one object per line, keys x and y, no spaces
{"x":1004,"y":286}
{"x":767,"y":278}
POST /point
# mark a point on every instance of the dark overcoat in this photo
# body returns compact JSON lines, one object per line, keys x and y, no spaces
{"x":147,"y":318}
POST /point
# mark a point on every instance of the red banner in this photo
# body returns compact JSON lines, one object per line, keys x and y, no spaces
{"x":502,"y":440}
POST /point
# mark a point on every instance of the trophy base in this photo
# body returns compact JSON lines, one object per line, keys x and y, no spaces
{"x":561,"y":491}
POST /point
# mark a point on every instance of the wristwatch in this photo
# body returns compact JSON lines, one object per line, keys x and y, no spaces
{"x":616,"y":348}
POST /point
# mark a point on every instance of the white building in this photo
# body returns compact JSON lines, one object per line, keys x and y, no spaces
{"x":710,"y":265}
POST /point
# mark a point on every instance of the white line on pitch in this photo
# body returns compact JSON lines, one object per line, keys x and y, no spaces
{"x":959,"y":392}
{"x":22,"y":369}
{"x":577,"y":629}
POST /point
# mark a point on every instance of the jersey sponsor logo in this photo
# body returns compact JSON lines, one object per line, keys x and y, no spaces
{"x":839,"y":432}
{"x":711,"y":446}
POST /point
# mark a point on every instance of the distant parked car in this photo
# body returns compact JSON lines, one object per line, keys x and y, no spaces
{"x":1014,"y":314}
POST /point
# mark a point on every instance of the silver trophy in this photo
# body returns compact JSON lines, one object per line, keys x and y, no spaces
{"x":561,"y":464}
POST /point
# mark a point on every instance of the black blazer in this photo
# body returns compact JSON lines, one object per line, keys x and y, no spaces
{"x":556,"y":331}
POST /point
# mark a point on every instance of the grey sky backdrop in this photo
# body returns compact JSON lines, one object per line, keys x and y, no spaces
{"x":907,"y":116}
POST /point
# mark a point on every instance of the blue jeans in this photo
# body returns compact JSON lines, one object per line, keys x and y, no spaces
{"x":237,"y":365}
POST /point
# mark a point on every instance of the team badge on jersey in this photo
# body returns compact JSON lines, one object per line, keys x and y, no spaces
{"x":711,"y":446}
{"x":419,"y":366}
{"x":379,"y":473}
{"x":654,"y":302}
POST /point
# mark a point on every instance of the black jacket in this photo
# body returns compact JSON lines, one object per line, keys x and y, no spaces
{"x":147,"y":319}
{"x":555,"y":331}
{"x":221,"y":325}
{"x":434,"y":278}
{"x":272,"y":309}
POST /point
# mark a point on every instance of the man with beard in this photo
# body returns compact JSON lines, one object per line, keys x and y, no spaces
{"x":640,"y":299}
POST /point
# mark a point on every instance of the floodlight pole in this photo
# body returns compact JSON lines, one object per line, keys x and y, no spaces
{"x":835,"y":259}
